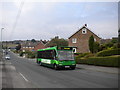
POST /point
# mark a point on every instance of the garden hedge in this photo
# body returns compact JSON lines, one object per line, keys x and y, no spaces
{"x":100,"y":61}
{"x":108,"y":52}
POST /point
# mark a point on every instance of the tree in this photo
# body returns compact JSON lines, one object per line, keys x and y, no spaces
{"x":96,"y":47}
{"x":18,"y":47}
{"x":91,"y":44}
{"x":33,"y":40}
{"x":57,"y":42}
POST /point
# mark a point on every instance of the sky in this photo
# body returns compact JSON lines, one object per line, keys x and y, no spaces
{"x":26,"y":20}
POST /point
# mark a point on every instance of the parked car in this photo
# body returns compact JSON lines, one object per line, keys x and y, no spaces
{"x":7,"y":57}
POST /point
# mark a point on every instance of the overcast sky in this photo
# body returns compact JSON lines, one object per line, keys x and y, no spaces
{"x":44,"y":20}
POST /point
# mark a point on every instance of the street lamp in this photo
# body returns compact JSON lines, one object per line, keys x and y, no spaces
{"x":1,"y":38}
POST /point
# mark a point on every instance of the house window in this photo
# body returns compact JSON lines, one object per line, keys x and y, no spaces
{"x":95,"y":39}
{"x":74,"y":40}
{"x":84,"y":31}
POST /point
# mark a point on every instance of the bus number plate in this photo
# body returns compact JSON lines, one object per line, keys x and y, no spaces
{"x":67,"y":66}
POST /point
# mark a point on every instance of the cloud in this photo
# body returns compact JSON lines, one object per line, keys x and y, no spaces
{"x":43,"y":20}
{"x":26,"y":6}
{"x":66,"y":0}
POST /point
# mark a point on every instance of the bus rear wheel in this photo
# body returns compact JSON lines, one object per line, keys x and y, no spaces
{"x":40,"y":63}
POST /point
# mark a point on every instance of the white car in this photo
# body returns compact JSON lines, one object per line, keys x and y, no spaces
{"x":7,"y":57}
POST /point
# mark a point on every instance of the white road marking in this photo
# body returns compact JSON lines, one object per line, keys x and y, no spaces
{"x":23,"y":77}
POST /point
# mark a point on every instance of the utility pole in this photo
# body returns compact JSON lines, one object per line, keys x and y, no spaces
{"x":1,"y":38}
{"x":1,"y":53}
{"x":119,"y":38}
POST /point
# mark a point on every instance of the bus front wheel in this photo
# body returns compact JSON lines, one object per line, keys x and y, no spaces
{"x":72,"y":68}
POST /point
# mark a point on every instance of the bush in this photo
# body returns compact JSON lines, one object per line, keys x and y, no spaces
{"x":21,"y":53}
{"x":14,"y":51}
{"x":82,"y":55}
{"x":109,"y":52}
{"x":89,"y":55}
{"x":102,"y":61}
{"x":77,"y":53}
{"x":31,"y":54}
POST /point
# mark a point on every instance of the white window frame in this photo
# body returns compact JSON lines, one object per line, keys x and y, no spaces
{"x":74,"y":40}
{"x":95,"y":39}
{"x":23,"y":50}
{"x":74,"y":50}
{"x":84,"y":31}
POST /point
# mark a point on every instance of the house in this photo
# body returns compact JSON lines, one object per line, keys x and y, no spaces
{"x":80,"y":40}
{"x":9,"y":44}
{"x":104,"y":41}
{"x":40,"y":45}
{"x":30,"y":46}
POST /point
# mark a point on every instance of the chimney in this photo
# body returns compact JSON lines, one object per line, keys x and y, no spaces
{"x":85,"y":25}
{"x":56,"y":37}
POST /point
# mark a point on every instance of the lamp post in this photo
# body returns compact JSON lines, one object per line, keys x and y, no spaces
{"x":1,"y":38}
{"x":119,"y":38}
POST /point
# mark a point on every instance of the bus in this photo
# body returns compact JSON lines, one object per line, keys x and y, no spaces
{"x":56,"y":57}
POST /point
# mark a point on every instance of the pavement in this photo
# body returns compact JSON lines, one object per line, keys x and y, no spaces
{"x":0,"y":70}
{"x":0,"y":74}
{"x":9,"y":76}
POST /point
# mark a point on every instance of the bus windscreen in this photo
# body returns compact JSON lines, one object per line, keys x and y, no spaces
{"x":65,"y":55}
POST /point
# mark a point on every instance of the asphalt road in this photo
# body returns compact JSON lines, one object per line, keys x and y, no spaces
{"x":24,"y":73}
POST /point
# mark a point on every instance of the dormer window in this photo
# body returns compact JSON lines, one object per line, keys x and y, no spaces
{"x":84,"y":31}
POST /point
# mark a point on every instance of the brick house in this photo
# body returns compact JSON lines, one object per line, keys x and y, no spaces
{"x":80,"y":40}
{"x":30,"y":46}
{"x":40,"y":45}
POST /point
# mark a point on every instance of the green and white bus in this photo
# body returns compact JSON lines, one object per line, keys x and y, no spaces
{"x":56,"y":57}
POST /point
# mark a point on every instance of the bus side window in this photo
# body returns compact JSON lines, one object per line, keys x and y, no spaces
{"x":54,"y":54}
{"x":39,"y":54}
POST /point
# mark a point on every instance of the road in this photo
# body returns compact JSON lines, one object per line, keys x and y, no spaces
{"x":25,"y":73}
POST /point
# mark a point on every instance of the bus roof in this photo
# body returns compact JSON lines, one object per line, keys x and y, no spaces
{"x":57,"y":48}
{"x":50,"y":48}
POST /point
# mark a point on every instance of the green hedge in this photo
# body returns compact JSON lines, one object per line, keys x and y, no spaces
{"x":21,"y":53}
{"x":77,"y":53}
{"x":82,"y":55}
{"x":100,"y":61}
{"x":108,"y":52}
{"x":29,"y":54}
